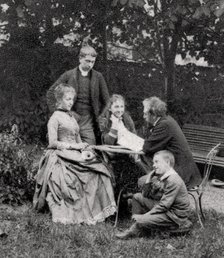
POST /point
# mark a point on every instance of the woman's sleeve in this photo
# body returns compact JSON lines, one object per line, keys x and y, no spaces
{"x":53,"y":135}
{"x":79,"y":140}
{"x":108,"y":135}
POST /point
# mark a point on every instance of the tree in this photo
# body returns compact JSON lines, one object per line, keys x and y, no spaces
{"x":32,"y":57}
{"x":29,"y":58}
{"x":172,"y":27}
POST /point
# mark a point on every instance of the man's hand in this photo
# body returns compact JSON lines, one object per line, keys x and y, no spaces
{"x":137,"y":218}
{"x":148,"y":178}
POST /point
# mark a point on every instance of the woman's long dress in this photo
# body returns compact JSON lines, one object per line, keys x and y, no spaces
{"x":76,"y":190}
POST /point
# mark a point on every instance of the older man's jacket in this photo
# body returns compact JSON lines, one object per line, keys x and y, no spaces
{"x":167,"y":135}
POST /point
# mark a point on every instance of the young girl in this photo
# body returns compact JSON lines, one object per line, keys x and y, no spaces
{"x":114,"y":120}
{"x":73,"y":181}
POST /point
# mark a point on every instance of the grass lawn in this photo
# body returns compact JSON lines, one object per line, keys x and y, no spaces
{"x":34,"y":235}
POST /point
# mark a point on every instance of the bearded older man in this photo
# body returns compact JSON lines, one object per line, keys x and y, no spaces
{"x":166,"y":134}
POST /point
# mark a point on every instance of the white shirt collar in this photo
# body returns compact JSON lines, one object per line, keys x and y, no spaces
{"x":83,"y":73}
{"x":157,"y":120}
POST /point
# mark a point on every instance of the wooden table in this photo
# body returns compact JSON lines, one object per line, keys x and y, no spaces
{"x":116,"y":149}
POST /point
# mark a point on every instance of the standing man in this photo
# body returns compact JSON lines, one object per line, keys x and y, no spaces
{"x":167,"y":135}
{"x":92,"y":93}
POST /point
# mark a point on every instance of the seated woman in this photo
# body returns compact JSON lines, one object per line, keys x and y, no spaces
{"x":113,"y":122}
{"x":72,"y":180}
{"x":114,"y":119}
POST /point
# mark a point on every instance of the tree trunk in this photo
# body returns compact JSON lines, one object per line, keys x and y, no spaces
{"x":170,"y":50}
{"x":104,"y":41}
{"x":169,"y":81}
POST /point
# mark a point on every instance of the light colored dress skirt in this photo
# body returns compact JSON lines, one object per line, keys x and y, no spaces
{"x":77,"y":191}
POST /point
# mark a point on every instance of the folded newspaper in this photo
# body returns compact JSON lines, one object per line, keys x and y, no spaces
{"x":130,"y":140}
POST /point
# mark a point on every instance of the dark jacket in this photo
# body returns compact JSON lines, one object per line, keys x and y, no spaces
{"x":167,"y":135}
{"x":105,"y":127}
{"x":99,"y":90}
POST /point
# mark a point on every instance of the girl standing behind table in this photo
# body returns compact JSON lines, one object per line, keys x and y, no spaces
{"x":74,"y":182}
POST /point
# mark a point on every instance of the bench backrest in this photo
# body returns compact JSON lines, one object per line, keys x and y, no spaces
{"x":202,"y":138}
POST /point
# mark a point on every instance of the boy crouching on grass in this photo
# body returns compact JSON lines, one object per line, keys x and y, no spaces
{"x":164,"y":201}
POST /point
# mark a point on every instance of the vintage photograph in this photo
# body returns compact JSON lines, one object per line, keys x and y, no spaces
{"x":112,"y":128}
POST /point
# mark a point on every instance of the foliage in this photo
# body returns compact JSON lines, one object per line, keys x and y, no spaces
{"x":159,"y":30}
{"x":16,"y":169}
{"x":33,"y":57}
{"x":34,"y":235}
{"x":26,"y":77}
{"x":43,"y":23}
{"x":199,"y":91}
{"x":31,"y":121}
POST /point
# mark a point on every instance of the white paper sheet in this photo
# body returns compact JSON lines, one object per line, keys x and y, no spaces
{"x":130,"y":140}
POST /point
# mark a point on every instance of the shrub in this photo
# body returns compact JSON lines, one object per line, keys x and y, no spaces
{"x":31,"y":120}
{"x":16,"y":169}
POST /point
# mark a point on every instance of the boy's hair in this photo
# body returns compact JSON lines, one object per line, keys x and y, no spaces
{"x":61,"y":89}
{"x":167,"y":155}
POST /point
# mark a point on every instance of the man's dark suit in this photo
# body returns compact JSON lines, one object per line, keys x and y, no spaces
{"x":98,"y":91}
{"x":167,"y":135}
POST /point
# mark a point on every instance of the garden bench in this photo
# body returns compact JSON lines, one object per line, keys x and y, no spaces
{"x":202,"y":139}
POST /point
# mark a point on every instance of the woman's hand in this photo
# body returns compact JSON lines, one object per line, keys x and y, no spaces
{"x":88,"y":155}
{"x":79,"y":146}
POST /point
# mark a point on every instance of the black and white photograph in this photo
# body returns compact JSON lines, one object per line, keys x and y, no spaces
{"x":112,"y":128}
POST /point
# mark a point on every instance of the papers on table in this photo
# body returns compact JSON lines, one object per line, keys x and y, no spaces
{"x":130,"y":140}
